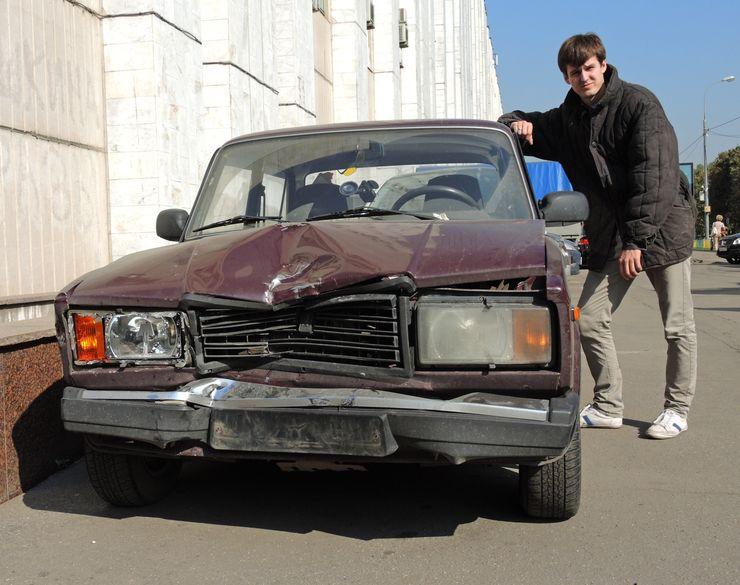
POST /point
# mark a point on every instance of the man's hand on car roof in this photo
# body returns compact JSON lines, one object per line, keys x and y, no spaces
{"x":523,"y":129}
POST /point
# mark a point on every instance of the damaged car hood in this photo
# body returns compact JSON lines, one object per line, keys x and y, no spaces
{"x":283,"y":262}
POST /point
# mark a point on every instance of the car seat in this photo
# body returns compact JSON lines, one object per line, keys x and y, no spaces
{"x":314,"y":200}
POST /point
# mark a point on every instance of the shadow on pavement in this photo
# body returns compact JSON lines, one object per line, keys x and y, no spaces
{"x":390,"y":501}
{"x":640,"y":425}
{"x":716,"y":291}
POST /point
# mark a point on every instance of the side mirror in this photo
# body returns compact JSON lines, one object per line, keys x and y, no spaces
{"x":171,"y":224}
{"x":562,"y":207}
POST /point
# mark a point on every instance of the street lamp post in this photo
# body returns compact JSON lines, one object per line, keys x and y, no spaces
{"x":727,"y":79}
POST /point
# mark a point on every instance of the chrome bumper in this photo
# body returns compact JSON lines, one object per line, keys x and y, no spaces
{"x":223,"y":393}
{"x":227,"y":417}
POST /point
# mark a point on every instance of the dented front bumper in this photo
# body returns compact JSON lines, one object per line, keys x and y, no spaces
{"x":270,"y":422}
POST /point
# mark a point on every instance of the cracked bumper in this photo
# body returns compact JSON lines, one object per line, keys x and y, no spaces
{"x":270,"y":422}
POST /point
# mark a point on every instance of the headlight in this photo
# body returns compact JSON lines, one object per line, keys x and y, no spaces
{"x":474,"y":333}
{"x":109,"y":336}
{"x":736,"y":242}
{"x":142,"y":336}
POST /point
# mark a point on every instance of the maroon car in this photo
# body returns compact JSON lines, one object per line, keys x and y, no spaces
{"x":350,"y":294}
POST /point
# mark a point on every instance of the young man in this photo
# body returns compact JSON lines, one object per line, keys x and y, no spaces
{"x":618,"y":148}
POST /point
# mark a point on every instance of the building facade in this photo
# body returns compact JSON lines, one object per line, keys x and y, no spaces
{"x":111,"y":109}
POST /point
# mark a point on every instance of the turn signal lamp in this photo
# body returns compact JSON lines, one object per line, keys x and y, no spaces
{"x":89,"y":337}
{"x":531,"y":330}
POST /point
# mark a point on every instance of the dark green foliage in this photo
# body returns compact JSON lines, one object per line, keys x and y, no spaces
{"x":724,"y":187}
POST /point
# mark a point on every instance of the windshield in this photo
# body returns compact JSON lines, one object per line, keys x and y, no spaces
{"x":416,"y":174}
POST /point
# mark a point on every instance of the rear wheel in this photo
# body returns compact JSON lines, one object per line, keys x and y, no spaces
{"x":553,"y":490}
{"x":130,"y":480}
{"x":733,"y":260}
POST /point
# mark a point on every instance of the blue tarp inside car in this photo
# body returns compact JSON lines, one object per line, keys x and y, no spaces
{"x":547,"y":177}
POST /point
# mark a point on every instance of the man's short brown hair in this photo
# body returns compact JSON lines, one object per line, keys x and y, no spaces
{"x":578,"y":49}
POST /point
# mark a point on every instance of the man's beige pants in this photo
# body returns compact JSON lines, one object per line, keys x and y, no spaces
{"x":602,"y":294}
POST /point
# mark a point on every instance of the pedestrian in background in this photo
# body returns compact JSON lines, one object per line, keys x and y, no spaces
{"x":719,"y":230}
{"x":618,"y":148}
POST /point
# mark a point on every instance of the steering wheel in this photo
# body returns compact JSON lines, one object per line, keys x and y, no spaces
{"x":440,"y":192}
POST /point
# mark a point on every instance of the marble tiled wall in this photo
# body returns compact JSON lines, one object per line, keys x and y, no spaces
{"x":448,"y":69}
{"x":153,"y":84}
{"x":322,"y":65}
{"x":240,"y":94}
{"x":294,"y":62}
{"x":412,"y":62}
{"x":387,"y":62}
{"x":53,"y":197}
{"x":350,"y":60}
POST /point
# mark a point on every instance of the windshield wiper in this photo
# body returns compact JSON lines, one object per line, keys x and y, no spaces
{"x":245,"y":219}
{"x":371,"y":211}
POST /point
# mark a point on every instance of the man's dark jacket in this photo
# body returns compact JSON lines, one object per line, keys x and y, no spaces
{"x":623,"y":155}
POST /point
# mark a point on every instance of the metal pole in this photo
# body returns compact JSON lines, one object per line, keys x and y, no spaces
{"x":706,"y":171}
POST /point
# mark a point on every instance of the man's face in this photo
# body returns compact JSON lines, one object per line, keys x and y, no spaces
{"x":587,"y":79}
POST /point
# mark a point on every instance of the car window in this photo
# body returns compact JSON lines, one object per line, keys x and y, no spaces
{"x":455,"y":174}
{"x":232,"y":185}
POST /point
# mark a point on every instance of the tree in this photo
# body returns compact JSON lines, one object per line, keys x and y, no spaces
{"x":724,"y":186}
{"x":698,"y":189}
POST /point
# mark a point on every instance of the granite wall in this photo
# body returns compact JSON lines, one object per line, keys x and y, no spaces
{"x":33,"y":443}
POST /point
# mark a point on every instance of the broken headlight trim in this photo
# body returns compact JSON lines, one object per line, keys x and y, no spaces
{"x":131,"y":335}
{"x":455,"y":333}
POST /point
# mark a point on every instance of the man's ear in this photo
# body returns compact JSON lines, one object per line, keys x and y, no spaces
{"x":603,"y":66}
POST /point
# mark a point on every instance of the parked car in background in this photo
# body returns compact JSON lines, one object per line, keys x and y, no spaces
{"x":729,"y":248}
{"x":331,"y":298}
{"x":585,"y":248}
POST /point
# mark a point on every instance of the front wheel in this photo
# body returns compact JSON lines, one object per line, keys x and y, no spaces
{"x":553,"y":490}
{"x":130,"y":480}
{"x":733,"y":260}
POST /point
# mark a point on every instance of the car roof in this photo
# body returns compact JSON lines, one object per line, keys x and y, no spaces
{"x":375,"y":125}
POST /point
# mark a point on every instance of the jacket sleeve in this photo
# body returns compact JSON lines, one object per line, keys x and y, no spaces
{"x":653,"y":181}
{"x":547,"y":132}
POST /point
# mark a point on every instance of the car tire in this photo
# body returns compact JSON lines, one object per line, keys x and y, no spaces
{"x":130,"y":480}
{"x":553,"y":490}
{"x":734,"y":260}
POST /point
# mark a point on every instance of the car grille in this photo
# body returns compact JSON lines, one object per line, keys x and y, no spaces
{"x":364,"y":332}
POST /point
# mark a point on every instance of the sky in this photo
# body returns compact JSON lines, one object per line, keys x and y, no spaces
{"x":675,"y":48}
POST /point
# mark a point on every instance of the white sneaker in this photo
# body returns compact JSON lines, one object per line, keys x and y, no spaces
{"x":667,"y":425}
{"x":592,"y":417}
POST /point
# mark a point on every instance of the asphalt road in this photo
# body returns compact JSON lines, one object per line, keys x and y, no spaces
{"x":652,"y":512}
